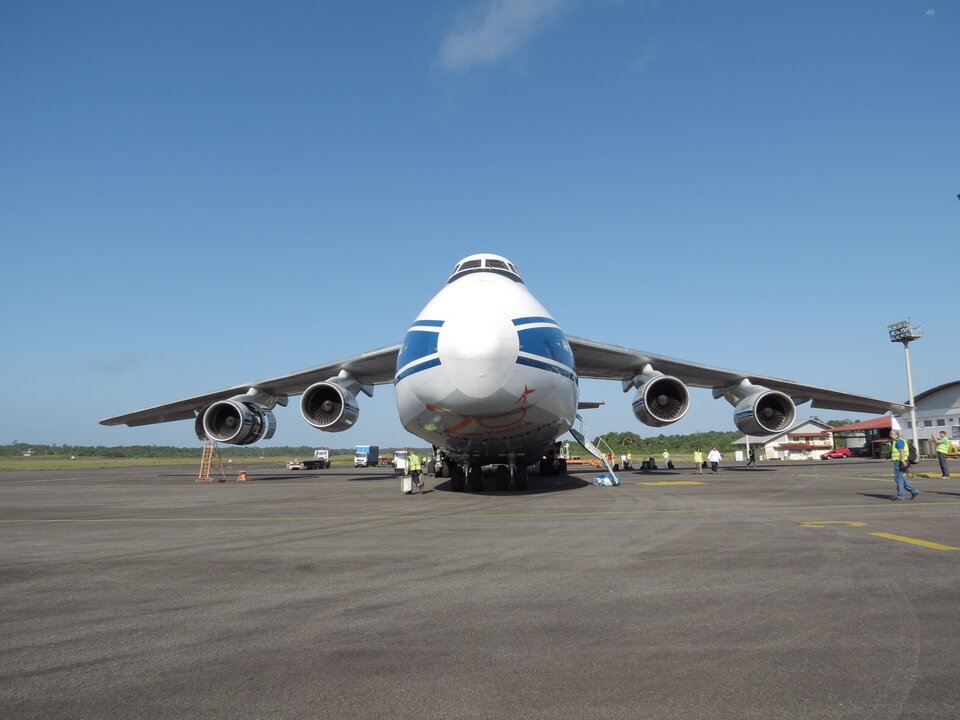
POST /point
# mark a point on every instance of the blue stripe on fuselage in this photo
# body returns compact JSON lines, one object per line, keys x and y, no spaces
{"x":433,"y":362}
{"x":417,"y":344}
{"x":547,"y":342}
{"x":530,"y":362}
{"x":531,"y":320}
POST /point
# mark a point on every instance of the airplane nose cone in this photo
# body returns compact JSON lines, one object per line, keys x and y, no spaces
{"x":478,"y":350}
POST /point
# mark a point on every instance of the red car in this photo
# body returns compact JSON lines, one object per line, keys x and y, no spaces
{"x":836,"y":454}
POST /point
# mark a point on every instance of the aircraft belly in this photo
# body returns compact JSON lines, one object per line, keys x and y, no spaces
{"x":532,"y":408}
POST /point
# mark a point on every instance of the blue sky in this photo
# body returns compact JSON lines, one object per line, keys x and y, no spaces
{"x":198,"y":194}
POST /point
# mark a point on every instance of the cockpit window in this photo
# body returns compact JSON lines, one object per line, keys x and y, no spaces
{"x":492,"y":265}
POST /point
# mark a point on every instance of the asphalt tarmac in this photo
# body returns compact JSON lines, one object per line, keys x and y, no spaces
{"x":785,"y":591}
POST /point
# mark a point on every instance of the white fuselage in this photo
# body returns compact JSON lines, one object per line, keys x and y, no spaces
{"x":485,"y":373}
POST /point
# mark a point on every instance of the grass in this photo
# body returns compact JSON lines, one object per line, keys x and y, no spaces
{"x":60,"y":462}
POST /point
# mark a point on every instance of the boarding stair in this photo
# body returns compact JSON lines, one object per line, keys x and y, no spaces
{"x":581,"y":436}
{"x":211,"y":451}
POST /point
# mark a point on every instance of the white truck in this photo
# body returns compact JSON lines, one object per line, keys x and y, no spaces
{"x":321,"y":461}
{"x":366,"y":456}
{"x":400,"y":462}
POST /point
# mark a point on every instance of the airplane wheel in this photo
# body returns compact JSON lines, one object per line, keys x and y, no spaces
{"x":520,"y":478}
{"x":476,"y":478}
{"x":456,"y":476}
{"x":503,"y":478}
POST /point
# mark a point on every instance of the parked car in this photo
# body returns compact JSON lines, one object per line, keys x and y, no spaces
{"x":836,"y":454}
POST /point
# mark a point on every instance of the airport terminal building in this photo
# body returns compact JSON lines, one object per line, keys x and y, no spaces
{"x":937,"y":409}
{"x":805,"y":440}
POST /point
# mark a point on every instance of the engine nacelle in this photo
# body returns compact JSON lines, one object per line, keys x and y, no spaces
{"x":237,"y":423}
{"x":329,"y":407}
{"x":660,"y":401}
{"x":764,"y":413}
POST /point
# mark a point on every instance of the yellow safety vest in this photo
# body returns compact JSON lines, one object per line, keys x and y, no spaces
{"x":943,"y":446}
{"x":413,"y":462}
{"x":895,"y":453}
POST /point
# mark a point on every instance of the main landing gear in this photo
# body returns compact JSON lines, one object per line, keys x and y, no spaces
{"x":471,"y":477}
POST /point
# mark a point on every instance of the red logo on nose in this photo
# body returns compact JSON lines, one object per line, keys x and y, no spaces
{"x":523,"y":398}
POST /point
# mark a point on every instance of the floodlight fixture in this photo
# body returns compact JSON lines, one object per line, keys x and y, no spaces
{"x":905,"y":332}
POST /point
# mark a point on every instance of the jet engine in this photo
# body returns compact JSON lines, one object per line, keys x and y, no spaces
{"x":758,"y":410}
{"x":660,"y":399}
{"x":236,"y":422}
{"x":764,"y":413}
{"x":329,"y":406}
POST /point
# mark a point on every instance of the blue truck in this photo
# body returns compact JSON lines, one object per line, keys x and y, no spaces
{"x":366,"y":456}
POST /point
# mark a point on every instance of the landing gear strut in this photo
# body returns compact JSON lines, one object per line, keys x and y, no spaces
{"x":475,"y":477}
{"x":453,"y":471}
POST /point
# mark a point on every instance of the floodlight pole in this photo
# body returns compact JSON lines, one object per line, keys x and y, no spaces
{"x":913,"y":409}
{"x":906,"y":333}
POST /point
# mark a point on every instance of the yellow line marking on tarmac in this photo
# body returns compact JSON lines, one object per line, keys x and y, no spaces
{"x":823,"y":523}
{"x":888,"y":478}
{"x":673,"y":482}
{"x":914,"y":541}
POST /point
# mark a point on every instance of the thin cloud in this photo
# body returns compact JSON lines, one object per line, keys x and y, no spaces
{"x":931,"y":12}
{"x":118,"y":364}
{"x":496,"y":31}
{"x":644,"y":59}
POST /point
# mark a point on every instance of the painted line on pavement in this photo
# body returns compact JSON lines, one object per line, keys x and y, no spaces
{"x":915,"y":541}
{"x":673,"y":482}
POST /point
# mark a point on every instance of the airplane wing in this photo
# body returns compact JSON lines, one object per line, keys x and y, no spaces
{"x":376,"y":367}
{"x":613,"y":362}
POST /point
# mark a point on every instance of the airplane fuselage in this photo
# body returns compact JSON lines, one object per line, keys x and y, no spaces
{"x":485,"y":373}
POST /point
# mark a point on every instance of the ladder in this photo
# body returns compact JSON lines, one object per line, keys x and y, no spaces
{"x":581,"y":437}
{"x":210,"y":449}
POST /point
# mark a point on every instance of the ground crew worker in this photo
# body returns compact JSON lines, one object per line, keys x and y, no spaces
{"x":413,"y":467}
{"x":698,"y":460}
{"x":900,"y":453}
{"x":943,"y":447}
{"x":666,"y":459}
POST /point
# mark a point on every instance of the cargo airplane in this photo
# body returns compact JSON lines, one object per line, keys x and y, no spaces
{"x":487,"y":376}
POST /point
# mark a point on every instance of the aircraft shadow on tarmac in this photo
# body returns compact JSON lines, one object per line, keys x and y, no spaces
{"x":536,"y":485}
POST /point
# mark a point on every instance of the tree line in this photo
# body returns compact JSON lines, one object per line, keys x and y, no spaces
{"x":637,"y":446}
{"x":16,"y":449}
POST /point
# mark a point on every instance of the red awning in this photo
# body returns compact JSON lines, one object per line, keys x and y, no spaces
{"x":880,"y":423}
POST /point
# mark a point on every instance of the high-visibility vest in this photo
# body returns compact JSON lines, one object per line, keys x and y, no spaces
{"x":413,"y":462}
{"x":895,"y":453}
{"x":943,"y":446}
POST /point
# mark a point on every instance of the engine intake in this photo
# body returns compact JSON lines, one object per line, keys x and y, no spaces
{"x":764,"y":413}
{"x":660,"y":401}
{"x":328,"y":406}
{"x":238,"y":423}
